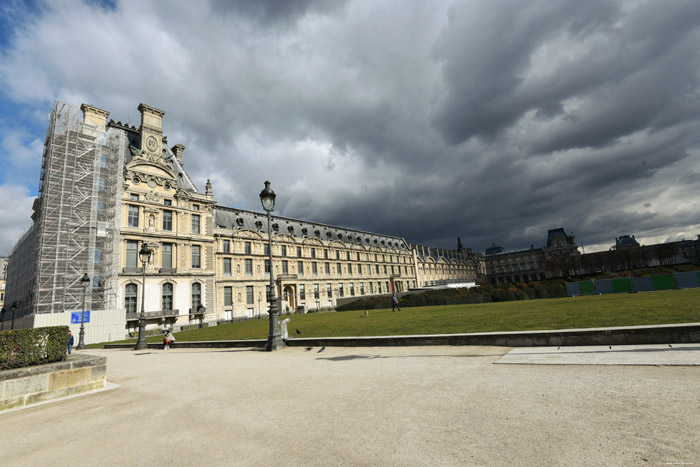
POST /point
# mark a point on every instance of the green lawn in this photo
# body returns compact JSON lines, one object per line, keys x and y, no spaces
{"x":663,"y":307}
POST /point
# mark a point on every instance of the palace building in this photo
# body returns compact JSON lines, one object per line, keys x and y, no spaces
{"x":107,"y":188}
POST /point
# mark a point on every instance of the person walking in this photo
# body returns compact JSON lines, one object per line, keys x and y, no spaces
{"x":394,"y":303}
{"x":70,"y":342}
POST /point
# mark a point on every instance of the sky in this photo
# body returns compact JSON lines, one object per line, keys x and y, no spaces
{"x":492,"y":121}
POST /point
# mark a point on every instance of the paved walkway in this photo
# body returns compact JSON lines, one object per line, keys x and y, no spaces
{"x":386,"y":406}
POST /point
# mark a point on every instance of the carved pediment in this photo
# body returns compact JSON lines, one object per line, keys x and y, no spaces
{"x":248,"y":234}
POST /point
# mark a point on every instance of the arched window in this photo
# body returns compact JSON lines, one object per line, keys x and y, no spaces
{"x":196,"y":295}
{"x":167,"y":296}
{"x":130,"y":298}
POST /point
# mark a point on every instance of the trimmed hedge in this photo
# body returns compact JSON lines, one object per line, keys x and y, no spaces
{"x":27,"y":347}
{"x":463,"y":296}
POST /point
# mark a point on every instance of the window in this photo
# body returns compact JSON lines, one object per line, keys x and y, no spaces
{"x":300,"y":268}
{"x":227,"y":246}
{"x":379,"y":287}
{"x":358,"y":257}
{"x":100,"y":207}
{"x":196,"y":256}
{"x":134,"y":197}
{"x":337,"y":254}
{"x":352,"y":289}
{"x":392,"y":269}
{"x":369,"y":270}
{"x":247,"y":248}
{"x":133,"y":216}
{"x":196,"y":296}
{"x":195,"y":207}
{"x":96,"y":283}
{"x":168,"y":202}
{"x":325,"y":254}
{"x":167,"y":297}
{"x":299,"y":251}
{"x":328,"y":269}
{"x":285,"y":267}
{"x":195,"y":223}
{"x":266,"y":249}
{"x":362,"y":288}
{"x":313,"y":252}
{"x":385,"y":269}
{"x":267,"y":267}
{"x":96,"y":255}
{"x":167,"y":258}
{"x":103,"y":160}
{"x":302,"y":292}
{"x":248,"y":268}
{"x":340,"y":290}
{"x":130,"y":298}
{"x":314,"y":268}
{"x":329,"y":290}
{"x":377,"y":266}
{"x":249,"y":297}
{"x":348,"y":256}
{"x":338,"y":268}
{"x":227,"y":266}
{"x":371,"y":288}
{"x":316,"y":291}
{"x":132,"y":248}
{"x":167,"y":220}
{"x":359,"y":269}
{"x":228,"y":296}
{"x":284,"y":250}
{"x":101,"y":185}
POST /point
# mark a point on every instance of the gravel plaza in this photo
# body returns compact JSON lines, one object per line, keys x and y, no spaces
{"x":386,"y":406}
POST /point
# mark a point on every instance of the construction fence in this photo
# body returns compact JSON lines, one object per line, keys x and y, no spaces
{"x":678,"y":280}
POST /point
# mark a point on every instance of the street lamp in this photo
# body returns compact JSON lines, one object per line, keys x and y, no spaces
{"x":13,"y":308}
{"x":145,"y":257}
{"x":84,"y":281}
{"x":274,"y":339}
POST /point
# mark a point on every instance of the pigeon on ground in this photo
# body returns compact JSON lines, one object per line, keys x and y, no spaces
{"x":298,"y":331}
{"x":307,"y":349}
{"x":321,"y":349}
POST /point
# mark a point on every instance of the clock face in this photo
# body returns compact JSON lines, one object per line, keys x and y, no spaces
{"x":151,"y":144}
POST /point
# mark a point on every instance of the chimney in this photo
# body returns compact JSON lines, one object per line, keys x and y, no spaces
{"x":151,"y":129}
{"x":94,"y":117}
{"x":178,"y":149}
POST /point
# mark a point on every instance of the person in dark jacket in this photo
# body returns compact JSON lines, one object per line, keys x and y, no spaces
{"x":394,"y":303}
{"x":70,"y":342}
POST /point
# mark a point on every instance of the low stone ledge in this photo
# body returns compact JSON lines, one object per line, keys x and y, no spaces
{"x":629,"y":335}
{"x":24,"y":386}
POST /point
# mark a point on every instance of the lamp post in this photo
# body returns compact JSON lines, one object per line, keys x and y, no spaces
{"x":274,"y":339}
{"x":84,"y":281}
{"x":13,"y":308}
{"x":2,"y":318}
{"x":145,"y":257}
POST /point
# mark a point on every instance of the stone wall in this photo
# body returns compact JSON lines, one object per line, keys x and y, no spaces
{"x":24,"y":386}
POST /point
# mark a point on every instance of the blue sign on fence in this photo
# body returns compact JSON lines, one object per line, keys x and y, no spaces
{"x":75,"y":317}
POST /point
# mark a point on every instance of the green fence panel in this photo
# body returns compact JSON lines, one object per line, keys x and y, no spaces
{"x":587,"y":287}
{"x":663,"y":282}
{"x":622,"y":285}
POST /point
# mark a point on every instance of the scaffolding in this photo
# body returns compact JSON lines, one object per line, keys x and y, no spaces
{"x":77,"y":216}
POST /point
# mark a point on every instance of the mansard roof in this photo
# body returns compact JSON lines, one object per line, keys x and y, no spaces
{"x":239,"y":219}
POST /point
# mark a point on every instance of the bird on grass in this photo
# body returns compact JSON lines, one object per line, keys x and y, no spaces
{"x":321,"y":349}
{"x":298,"y":331}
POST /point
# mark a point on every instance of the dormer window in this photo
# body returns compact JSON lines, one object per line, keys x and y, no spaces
{"x":195,"y":207}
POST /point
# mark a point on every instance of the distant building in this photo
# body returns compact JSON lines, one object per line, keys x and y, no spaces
{"x":3,"y":279}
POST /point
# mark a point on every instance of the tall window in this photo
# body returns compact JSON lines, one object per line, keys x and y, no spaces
{"x":167,"y":220}
{"x":167,"y":258}
{"x":132,"y":248}
{"x":338,"y":268}
{"x":285,"y":267}
{"x":362,"y":288}
{"x":313,"y":252}
{"x":299,"y":251}
{"x":130,"y":298}
{"x":101,"y":185}
{"x":314,"y":268}
{"x":371,"y":288}
{"x":325,"y":254}
{"x":227,"y":266}
{"x":329,"y":290}
{"x":328,"y":269}
{"x":266,"y":249}
{"x":337,"y":254}
{"x":248,"y":268}
{"x":196,"y":295}
{"x":300,"y":268}
{"x":316,"y":291}
{"x":340,"y":290}
{"x":352,"y":289}
{"x":284,"y":250}
{"x":133,"y":216}
{"x":227,"y":246}
{"x":228,"y":296}
{"x":359,"y":269}
{"x":247,"y":248}
{"x":196,"y":256}
{"x":167,"y":299}
{"x":302,"y":292}
{"x":369,"y":269}
{"x":249,"y":297}
{"x":358,"y":257}
{"x":267,"y":267}
{"x":195,"y":223}
{"x":100,"y":207}
{"x":348,"y":256}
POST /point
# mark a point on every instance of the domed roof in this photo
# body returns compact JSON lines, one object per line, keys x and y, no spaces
{"x":625,"y":241}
